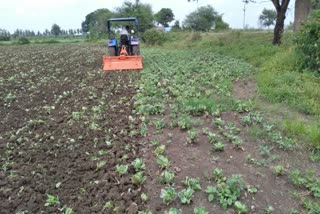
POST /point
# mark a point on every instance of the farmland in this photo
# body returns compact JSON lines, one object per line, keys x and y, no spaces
{"x":183,"y":134}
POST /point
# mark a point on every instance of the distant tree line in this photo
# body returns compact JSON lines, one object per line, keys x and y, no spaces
{"x":202,"y":19}
{"x":54,"y":31}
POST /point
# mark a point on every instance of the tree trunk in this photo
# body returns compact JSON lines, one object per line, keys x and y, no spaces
{"x":301,"y":12}
{"x":281,"y":8}
{"x":279,"y":27}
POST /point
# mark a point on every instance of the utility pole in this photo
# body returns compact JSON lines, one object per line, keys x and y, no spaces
{"x":244,"y":12}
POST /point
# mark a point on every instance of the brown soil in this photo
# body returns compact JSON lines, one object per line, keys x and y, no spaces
{"x":244,"y":88}
{"x":44,"y":150}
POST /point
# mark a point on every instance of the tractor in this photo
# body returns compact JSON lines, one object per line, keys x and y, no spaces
{"x":125,"y":54}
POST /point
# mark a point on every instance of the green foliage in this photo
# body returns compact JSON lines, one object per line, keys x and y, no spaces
{"x":145,"y":212}
{"x":51,"y":200}
{"x":278,"y":170}
{"x":139,"y":10}
{"x":164,"y":16}
{"x":185,"y":122}
{"x":220,"y":24}
{"x":202,"y":19}
{"x":138,"y":178}
{"x":308,"y":42}
{"x":312,"y":207}
{"x":55,"y":30}
{"x":192,"y":183}
{"x":173,"y":211}
{"x":138,"y":164}
{"x":122,"y":169}
{"x":176,"y":26}
{"x":308,"y":181}
{"x":200,"y":210}
{"x":23,"y":41}
{"x":219,"y":147}
{"x":192,"y":136}
{"x":153,"y":37}
{"x":95,"y":22}
{"x":163,"y":161}
{"x":227,"y":191}
{"x":168,"y":195}
{"x":167,"y":177}
{"x":186,"y":195}
{"x":240,"y":207}
{"x":268,"y":17}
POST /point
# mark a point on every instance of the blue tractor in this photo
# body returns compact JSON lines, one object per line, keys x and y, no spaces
{"x":125,"y":54}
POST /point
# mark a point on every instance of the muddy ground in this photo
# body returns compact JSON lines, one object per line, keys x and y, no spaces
{"x":60,"y":117}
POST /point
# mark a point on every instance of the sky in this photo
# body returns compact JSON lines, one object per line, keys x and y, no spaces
{"x":68,"y":14}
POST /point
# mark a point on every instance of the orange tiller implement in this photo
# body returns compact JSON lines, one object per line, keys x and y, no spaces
{"x":122,"y":62}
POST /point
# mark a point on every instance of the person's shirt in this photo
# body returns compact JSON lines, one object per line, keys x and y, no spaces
{"x":125,"y":32}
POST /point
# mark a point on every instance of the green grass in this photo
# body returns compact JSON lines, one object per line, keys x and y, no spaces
{"x":279,"y":77}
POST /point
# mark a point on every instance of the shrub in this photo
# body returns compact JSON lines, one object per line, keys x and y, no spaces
{"x":308,"y":42}
{"x":23,"y":41}
{"x":154,"y":37}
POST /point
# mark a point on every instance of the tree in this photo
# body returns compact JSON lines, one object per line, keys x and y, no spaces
{"x":220,"y":24}
{"x":95,"y":22}
{"x":176,"y":26}
{"x":268,"y":17}
{"x":55,"y":30}
{"x":142,"y":11}
{"x":202,"y":19}
{"x":164,"y":16}
{"x":281,"y":7}
{"x":302,"y":10}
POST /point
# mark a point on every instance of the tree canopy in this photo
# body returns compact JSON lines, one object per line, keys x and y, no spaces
{"x":164,"y":16}
{"x":268,"y":17}
{"x":143,"y":12}
{"x":55,"y":30}
{"x":202,"y":19}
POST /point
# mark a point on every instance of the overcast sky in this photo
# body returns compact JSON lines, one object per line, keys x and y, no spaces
{"x":41,"y":14}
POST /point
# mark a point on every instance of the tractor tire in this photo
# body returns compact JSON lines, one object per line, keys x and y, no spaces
{"x":136,"y":50}
{"x":111,"y":51}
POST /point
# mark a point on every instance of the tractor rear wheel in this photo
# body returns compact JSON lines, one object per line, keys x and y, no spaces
{"x":135,"y":50}
{"x":111,"y":51}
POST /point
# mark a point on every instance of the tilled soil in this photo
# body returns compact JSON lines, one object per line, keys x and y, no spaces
{"x":64,"y":128}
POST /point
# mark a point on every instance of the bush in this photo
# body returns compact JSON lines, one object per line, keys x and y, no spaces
{"x":308,"y":42}
{"x":154,"y":37}
{"x":23,"y":41}
{"x":4,"y":38}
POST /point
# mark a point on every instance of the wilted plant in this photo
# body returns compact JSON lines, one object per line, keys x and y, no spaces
{"x":186,"y":195}
{"x":138,"y":164}
{"x":163,"y":161}
{"x":138,"y":178}
{"x":192,"y":183}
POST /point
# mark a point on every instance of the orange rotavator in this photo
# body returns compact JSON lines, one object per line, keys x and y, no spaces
{"x":125,"y":56}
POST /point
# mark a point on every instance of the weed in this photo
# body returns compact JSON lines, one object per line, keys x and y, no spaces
{"x":168,"y":195}
{"x":68,"y":210}
{"x":238,"y":144}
